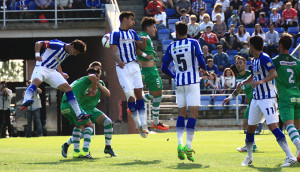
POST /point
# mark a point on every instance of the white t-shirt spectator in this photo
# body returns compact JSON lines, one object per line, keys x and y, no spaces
{"x":225,"y":4}
{"x":263,"y":35}
{"x":161,"y":17}
{"x":203,"y":25}
{"x":213,"y":16}
{"x":243,"y":38}
{"x":275,"y":17}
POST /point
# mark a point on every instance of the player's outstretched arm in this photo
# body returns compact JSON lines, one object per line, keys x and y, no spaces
{"x":104,"y":90}
{"x":236,"y":92}
{"x":247,"y":81}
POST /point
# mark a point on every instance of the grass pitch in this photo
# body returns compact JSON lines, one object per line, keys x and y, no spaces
{"x":215,"y":151}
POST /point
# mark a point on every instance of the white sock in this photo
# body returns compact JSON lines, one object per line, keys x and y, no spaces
{"x":136,"y":118}
{"x":180,"y":132}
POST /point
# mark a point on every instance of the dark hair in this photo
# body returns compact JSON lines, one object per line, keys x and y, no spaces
{"x":126,"y":14}
{"x":95,"y":63}
{"x":237,"y":57}
{"x":257,"y":42}
{"x":93,"y":70}
{"x":210,"y":60}
{"x":286,"y":41}
{"x":147,"y":22}
{"x":181,"y":28}
{"x":3,"y":83}
{"x":219,"y":46}
{"x":79,"y":46}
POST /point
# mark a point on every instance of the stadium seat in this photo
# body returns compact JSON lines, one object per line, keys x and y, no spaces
{"x":293,"y":30}
{"x":205,"y":101}
{"x":213,"y":52}
{"x":279,"y":29}
{"x":232,"y":52}
{"x":248,"y":62}
{"x":250,"y":30}
{"x":171,"y":23}
{"x":265,"y":29}
{"x":163,"y":34}
{"x":233,"y":103}
{"x":231,"y":59}
{"x":209,"y":11}
{"x":209,"y":4}
{"x":170,"y":12}
{"x":165,"y":44}
{"x":32,"y":5}
{"x":218,"y":101}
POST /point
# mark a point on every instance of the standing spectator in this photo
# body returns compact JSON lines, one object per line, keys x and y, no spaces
{"x":219,"y":27}
{"x":275,"y":18}
{"x":23,"y":5}
{"x":230,"y":40}
{"x":183,"y":4}
{"x":277,"y":5}
{"x":6,"y":4}
{"x":227,"y":81}
{"x":161,"y":18}
{"x":262,"y":19}
{"x":206,"y":54}
{"x":151,"y":8}
{"x":206,"y":22}
{"x":93,"y":4}
{"x":34,"y":110}
{"x":248,"y":17}
{"x":242,"y":35}
{"x":210,"y":39}
{"x":217,"y":10}
{"x":289,"y":16}
{"x":5,"y":99}
{"x":235,"y":18}
{"x":236,"y":5}
{"x":272,"y":38}
{"x":184,"y":16}
{"x":197,"y":5}
{"x":257,"y":6}
{"x":194,"y":28}
{"x":64,"y":4}
{"x":211,"y":67}
{"x":221,"y":59}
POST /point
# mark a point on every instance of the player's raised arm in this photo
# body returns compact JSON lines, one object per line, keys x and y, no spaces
{"x":166,"y":62}
{"x":37,"y":47}
{"x":117,"y":60}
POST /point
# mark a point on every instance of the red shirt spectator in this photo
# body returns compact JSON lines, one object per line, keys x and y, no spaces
{"x":256,"y":5}
{"x":210,"y":38}
{"x":151,"y":7}
{"x":289,"y":14}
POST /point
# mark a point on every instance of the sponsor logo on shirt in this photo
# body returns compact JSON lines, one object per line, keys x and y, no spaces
{"x":285,"y":63}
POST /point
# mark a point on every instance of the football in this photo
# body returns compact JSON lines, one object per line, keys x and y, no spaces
{"x":105,"y":40}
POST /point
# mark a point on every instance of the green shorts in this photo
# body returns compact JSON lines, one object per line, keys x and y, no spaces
{"x":289,"y":108}
{"x":151,"y":78}
{"x":246,"y":114}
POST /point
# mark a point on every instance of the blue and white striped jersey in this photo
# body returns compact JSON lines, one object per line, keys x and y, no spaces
{"x":187,"y":55}
{"x":54,"y":54}
{"x":125,"y":40}
{"x":260,"y":70}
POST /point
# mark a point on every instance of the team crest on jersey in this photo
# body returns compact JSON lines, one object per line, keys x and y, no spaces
{"x":269,"y":64}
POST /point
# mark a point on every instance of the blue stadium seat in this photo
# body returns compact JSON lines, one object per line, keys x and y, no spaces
{"x":205,"y":101}
{"x":170,"y":12}
{"x":171,"y":23}
{"x":293,"y":30}
{"x":209,"y":4}
{"x":232,"y":52}
{"x":165,"y":44}
{"x":209,"y":11}
{"x":248,"y":62}
{"x":250,"y":30}
{"x":163,"y":34}
{"x":265,"y":29}
{"x":279,"y":29}
{"x":219,"y":101}
{"x":231,"y":59}
{"x":233,"y":102}
{"x":213,"y":52}
{"x":32,"y":5}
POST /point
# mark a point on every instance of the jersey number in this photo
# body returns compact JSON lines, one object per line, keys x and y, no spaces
{"x":291,"y":81}
{"x":180,"y":60}
{"x":271,"y":110}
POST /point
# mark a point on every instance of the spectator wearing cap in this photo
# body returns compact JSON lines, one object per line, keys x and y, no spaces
{"x":151,"y":7}
{"x":161,"y":18}
{"x":209,"y":38}
{"x":183,"y":4}
{"x":221,"y":59}
{"x":193,"y":28}
{"x":184,"y":16}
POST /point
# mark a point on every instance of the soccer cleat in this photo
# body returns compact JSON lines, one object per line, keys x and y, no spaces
{"x":248,"y":161}
{"x":189,"y":153}
{"x":77,"y":154}
{"x":298,"y":155}
{"x":142,"y":132}
{"x":180,"y":151}
{"x":83,"y":116}
{"x":86,"y":155}
{"x":26,"y":104}
{"x":289,"y":161}
{"x":244,"y":149}
{"x":108,"y":150}
{"x":64,"y":150}
{"x":160,"y":126}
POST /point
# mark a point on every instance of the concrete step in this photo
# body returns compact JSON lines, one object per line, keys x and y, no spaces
{"x":168,"y":92}
{"x":169,"y":98}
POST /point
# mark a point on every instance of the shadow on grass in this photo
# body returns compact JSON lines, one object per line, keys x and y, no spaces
{"x":188,"y":166}
{"x":66,"y":161}
{"x":139,"y":162}
{"x":278,"y":168}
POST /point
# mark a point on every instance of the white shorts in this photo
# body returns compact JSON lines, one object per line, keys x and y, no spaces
{"x":188,"y":95}
{"x":263,"y":109}
{"x":130,"y":77}
{"x":50,"y":76}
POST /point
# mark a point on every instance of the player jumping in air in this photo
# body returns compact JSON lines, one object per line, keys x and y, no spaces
{"x":187,"y":55}
{"x":287,"y":83}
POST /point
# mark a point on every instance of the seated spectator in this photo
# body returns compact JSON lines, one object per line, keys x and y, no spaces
{"x":208,"y":38}
{"x":93,"y":4}
{"x":230,"y":40}
{"x":227,"y":81}
{"x":217,"y":10}
{"x":183,"y":4}
{"x":244,"y":52}
{"x":262,"y":19}
{"x":233,"y":66}
{"x":23,"y":5}
{"x":275,"y":18}
{"x":277,"y":4}
{"x":221,"y":59}
{"x":161,"y":18}
{"x":193,"y":28}
{"x":167,"y":3}
{"x":225,"y":7}
{"x":236,"y":5}
{"x":206,"y":22}
{"x":242,"y":35}
{"x":64,"y":4}
{"x":219,"y":27}
{"x":212,"y":84}
{"x":203,"y":85}
{"x":151,"y":7}
{"x":297,"y":7}
{"x":184,"y":16}
{"x":235,"y":18}
{"x":256,"y":6}
{"x":248,"y":17}
{"x":197,"y":5}
{"x":43,"y":5}
{"x":289,"y":16}
{"x":202,"y":12}
{"x":211,"y":67}
{"x":258,"y":31}
{"x":206,"y":54}
{"x":272,"y":38}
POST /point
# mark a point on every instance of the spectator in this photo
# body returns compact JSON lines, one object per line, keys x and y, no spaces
{"x":289,"y":16}
{"x":257,"y":6}
{"x":206,"y":54}
{"x":297,"y":7}
{"x":183,"y":4}
{"x":23,"y":5}
{"x":43,"y":5}
{"x":211,"y":67}
{"x":217,"y":10}
{"x":202,"y":12}
{"x":184,"y":16}
{"x":275,"y":18}
{"x":230,"y":40}
{"x":64,"y":4}
{"x":219,"y":27}
{"x":248,"y":17}
{"x":5,"y":100}
{"x":206,"y":22}
{"x":213,"y":83}
{"x":197,"y":5}
{"x":227,"y":81}
{"x":235,"y":18}
{"x":244,"y":52}
{"x":167,"y":3}
{"x":151,"y":7}
{"x":161,"y":18}
{"x":259,"y":31}
{"x":210,"y":39}
{"x":203,"y":81}
{"x":272,"y":38}
{"x":193,"y":28}
{"x":277,"y":5}
{"x":236,"y":5}
{"x":34,"y":110}
{"x":293,"y":2}
{"x":225,"y":8}
{"x":221,"y":59}
{"x":262,"y":19}
{"x":93,"y":4}
{"x":242,"y":35}
{"x":233,"y":66}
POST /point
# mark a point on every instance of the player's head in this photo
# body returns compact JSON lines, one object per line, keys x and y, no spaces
{"x":148,"y":25}
{"x":127,"y":18}
{"x":240,"y":63}
{"x":181,"y":28}
{"x":94,"y":70}
{"x":95,"y":64}
{"x":256,"y":43}
{"x":285,"y":41}
{"x":78,"y":47}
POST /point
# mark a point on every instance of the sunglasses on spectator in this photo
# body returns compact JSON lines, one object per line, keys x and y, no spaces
{"x":232,"y":28}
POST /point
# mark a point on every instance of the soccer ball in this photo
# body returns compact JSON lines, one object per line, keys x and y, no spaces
{"x":105,"y":40}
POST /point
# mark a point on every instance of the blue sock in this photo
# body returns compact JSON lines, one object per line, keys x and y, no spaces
{"x":73,"y":102}
{"x":29,"y":92}
{"x":278,"y":134}
{"x":180,"y":129}
{"x":190,"y":130}
{"x":140,"y":105}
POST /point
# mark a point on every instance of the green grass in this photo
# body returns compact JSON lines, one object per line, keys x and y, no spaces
{"x":215,"y":151}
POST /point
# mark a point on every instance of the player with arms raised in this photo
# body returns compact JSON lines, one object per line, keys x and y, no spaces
{"x":287,"y":83}
{"x":187,"y":55}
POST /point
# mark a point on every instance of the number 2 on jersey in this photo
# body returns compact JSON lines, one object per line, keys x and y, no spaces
{"x":291,"y":81}
{"x":180,"y":59}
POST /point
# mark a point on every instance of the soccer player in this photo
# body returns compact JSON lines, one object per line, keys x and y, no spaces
{"x":240,"y":64}
{"x":263,"y":105}
{"x":48,"y":69}
{"x":287,"y":83}
{"x":123,"y":42}
{"x":187,"y":55}
{"x":146,"y":58}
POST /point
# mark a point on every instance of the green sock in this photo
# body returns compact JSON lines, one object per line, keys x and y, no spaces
{"x":76,"y":139}
{"x":147,"y":97}
{"x":87,"y":138}
{"x":155,"y":109}
{"x":108,"y":130}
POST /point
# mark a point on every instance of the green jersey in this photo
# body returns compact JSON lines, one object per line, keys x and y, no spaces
{"x":288,"y":71}
{"x":149,"y":48}
{"x":247,"y":88}
{"x":80,"y":89}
